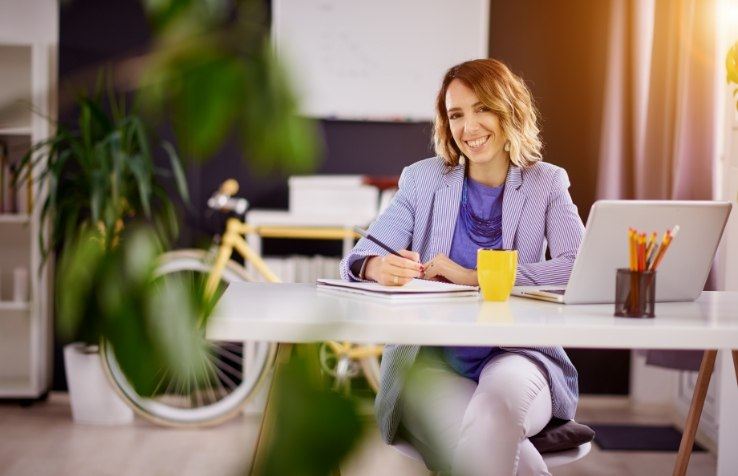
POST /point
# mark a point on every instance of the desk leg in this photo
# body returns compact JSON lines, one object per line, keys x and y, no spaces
{"x":284,"y":352}
{"x":727,"y":412}
{"x":695,"y":411}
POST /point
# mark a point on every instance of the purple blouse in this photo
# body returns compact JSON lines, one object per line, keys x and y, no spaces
{"x":486,"y":203}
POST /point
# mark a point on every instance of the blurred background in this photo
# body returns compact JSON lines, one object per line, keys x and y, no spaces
{"x":632,"y":96}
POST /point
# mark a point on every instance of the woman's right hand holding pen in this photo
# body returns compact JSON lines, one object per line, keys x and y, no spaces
{"x":393,"y":270}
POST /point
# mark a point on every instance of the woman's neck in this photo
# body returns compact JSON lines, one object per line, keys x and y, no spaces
{"x":491,"y":174}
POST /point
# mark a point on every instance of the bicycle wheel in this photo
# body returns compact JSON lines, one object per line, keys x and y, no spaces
{"x":235,"y":369}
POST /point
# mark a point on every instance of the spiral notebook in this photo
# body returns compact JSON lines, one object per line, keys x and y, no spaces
{"x":415,"y":289}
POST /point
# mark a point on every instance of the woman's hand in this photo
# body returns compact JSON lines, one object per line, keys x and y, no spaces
{"x":392,"y":270}
{"x":442,"y":268}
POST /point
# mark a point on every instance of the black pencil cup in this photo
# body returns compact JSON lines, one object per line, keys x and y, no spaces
{"x":635,"y":293}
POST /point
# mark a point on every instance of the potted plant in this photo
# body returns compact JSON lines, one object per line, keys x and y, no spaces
{"x":98,"y":176}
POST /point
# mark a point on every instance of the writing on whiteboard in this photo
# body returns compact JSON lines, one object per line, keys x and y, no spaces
{"x":378,"y":60}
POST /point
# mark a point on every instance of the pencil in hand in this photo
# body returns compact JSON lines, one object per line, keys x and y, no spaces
{"x":369,"y":237}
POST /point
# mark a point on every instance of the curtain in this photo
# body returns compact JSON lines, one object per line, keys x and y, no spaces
{"x":658,"y":125}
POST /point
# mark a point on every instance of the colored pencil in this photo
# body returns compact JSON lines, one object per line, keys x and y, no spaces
{"x":665,"y":246}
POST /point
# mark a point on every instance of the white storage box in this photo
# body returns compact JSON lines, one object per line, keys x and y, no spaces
{"x":332,"y":195}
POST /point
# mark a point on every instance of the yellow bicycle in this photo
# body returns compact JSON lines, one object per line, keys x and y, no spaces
{"x":235,"y":370}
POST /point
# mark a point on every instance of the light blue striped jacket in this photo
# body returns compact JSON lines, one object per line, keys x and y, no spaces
{"x":537,"y":211}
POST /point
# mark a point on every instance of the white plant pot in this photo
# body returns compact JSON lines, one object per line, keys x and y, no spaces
{"x":93,"y":399}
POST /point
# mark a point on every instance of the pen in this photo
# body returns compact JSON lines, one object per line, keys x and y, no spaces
{"x":369,"y":237}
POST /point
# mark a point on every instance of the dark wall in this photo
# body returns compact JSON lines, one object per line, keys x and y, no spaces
{"x":557,"y":47}
{"x":92,"y":33}
{"x":560,"y":49}
{"x":372,"y":148}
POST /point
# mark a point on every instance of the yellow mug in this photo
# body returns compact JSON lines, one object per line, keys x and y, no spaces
{"x":496,"y":273}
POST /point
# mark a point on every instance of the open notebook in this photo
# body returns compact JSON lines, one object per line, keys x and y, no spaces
{"x":415,"y":289}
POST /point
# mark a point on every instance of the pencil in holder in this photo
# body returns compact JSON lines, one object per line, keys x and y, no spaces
{"x":635,"y":293}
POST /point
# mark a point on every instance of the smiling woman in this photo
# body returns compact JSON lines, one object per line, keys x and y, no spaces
{"x":491,"y":92}
{"x":487,"y":188}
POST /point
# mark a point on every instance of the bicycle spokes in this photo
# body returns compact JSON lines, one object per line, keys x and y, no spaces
{"x":219,"y":373}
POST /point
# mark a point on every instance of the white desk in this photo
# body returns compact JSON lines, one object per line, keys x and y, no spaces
{"x":297,"y":313}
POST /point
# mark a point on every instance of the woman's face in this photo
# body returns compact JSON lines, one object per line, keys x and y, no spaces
{"x":474,"y":127}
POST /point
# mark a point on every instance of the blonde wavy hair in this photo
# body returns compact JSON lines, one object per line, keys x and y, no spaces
{"x":507,"y":96}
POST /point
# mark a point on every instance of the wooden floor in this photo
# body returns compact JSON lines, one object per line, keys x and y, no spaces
{"x":42,"y":440}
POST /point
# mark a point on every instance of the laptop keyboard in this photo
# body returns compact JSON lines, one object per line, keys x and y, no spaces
{"x":554,"y":291}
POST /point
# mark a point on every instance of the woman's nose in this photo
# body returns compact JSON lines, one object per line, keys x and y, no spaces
{"x":471,"y":125}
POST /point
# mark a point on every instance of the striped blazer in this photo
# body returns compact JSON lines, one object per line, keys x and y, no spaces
{"x":537,"y":212}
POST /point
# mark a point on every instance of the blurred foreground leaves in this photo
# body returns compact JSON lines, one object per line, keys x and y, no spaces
{"x":731,"y":64}
{"x":314,"y":428}
{"x":215,"y":75}
{"x":114,"y":294}
{"x":214,"y":72}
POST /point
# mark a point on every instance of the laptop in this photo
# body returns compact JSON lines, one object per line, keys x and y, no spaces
{"x":681,"y":275}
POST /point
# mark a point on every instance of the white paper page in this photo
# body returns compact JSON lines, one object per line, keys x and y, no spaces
{"x":416,"y":286}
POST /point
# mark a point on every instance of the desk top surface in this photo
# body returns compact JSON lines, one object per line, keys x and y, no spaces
{"x":303,"y":313}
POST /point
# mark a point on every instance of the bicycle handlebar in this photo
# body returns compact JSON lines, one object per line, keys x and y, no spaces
{"x":222,"y":202}
{"x":223,"y":199}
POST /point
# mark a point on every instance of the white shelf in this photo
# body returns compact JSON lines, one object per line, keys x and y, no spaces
{"x":28,"y":55}
{"x":14,"y":306}
{"x":16,"y":387}
{"x":14,"y":218}
{"x":15,"y":131}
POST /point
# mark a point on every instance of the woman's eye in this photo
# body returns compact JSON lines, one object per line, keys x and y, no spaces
{"x":483,"y":109}
{"x":454,"y":116}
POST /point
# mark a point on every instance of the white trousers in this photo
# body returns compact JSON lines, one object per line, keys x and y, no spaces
{"x":477,"y":429}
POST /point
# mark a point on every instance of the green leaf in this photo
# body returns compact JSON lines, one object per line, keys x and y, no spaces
{"x":220,"y":78}
{"x":174,"y":331}
{"x":166,"y":222}
{"x":139,"y":133}
{"x":317,"y":428}
{"x":97,"y":195}
{"x":143,"y":181}
{"x":731,"y":64}
{"x":209,"y":101}
{"x":77,"y":275}
{"x":179,"y":175}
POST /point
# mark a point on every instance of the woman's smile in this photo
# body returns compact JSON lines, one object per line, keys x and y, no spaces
{"x":476,"y":145}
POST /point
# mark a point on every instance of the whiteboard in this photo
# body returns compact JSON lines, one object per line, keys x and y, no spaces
{"x":376,"y":59}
